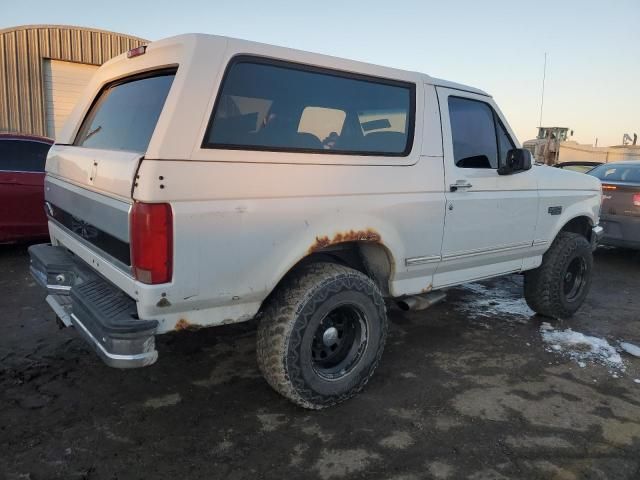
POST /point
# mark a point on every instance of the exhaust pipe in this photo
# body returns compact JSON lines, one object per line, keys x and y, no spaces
{"x":420,"y":302}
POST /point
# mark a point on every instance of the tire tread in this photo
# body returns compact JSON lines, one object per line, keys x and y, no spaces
{"x":278,"y":324}
{"x":541,"y":284}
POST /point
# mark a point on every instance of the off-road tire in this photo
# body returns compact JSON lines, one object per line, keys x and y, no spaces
{"x":290,"y":319}
{"x":544,"y":286}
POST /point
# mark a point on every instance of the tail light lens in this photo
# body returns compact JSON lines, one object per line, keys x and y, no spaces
{"x":636,"y":199}
{"x":152,"y":242}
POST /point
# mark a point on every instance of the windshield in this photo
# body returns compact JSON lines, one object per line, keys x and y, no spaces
{"x":617,"y":173}
{"x":125,"y":113}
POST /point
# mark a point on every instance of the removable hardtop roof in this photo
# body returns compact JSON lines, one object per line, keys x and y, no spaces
{"x":356,"y":66}
{"x":201,"y":60}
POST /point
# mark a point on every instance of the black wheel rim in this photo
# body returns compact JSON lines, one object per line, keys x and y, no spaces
{"x":575,"y":278}
{"x":339,"y":342}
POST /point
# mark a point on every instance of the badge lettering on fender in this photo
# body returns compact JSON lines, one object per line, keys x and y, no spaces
{"x":555,"y":210}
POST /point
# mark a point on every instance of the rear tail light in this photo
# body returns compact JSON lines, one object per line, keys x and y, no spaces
{"x":152,"y":242}
{"x":636,"y":199}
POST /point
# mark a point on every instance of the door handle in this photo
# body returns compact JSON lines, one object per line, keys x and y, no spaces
{"x":459,"y":185}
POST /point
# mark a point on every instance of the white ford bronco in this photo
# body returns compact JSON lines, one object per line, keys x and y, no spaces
{"x":203,"y":180}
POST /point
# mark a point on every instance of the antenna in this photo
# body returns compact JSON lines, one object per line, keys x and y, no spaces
{"x":544,"y":76}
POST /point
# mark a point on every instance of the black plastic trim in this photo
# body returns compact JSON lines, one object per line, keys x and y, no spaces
{"x":105,"y":309}
{"x":106,"y":242}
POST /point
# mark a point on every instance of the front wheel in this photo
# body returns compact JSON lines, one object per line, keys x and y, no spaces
{"x":322,"y":335}
{"x":559,"y":286}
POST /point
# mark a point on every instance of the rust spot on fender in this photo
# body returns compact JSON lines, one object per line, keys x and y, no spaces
{"x":184,"y":324}
{"x":427,"y":289}
{"x":368,"y":235}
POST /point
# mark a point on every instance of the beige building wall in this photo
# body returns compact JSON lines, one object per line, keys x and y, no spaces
{"x":23,"y":53}
{"x":574,"y":152}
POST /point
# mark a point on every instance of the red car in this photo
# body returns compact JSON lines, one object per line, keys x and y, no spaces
{"x":22,"y":215}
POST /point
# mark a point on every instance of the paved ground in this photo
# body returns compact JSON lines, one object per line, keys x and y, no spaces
{"x":465,"y":390}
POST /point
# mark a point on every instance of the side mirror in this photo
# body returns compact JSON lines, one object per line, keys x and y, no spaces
{"x":518,"y":160}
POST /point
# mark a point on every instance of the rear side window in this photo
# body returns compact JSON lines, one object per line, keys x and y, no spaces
{"x":23,"y":155}
{"x":479,"y":138}
{"x":277,"y":106}
{"x":125,"y":113}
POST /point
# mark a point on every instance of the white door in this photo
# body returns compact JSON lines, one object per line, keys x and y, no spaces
{"x":490,"y":218}
{"x":64,"y":82}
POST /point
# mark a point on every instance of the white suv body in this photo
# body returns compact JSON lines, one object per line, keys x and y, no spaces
{"x":389,"y":170}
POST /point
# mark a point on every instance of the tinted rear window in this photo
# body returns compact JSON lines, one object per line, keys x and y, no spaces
{"x":271,"y":105}
{"x":125,"y":113}
{"x":23,"y":155}
{"x":617,"y":173}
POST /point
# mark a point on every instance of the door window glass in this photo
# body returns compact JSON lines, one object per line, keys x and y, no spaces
{"x":473,"y":133}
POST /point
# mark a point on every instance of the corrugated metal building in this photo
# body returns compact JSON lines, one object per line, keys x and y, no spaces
{"x":43,"y":70}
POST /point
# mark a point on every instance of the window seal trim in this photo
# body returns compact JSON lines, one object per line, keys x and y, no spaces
{"x":160,"y":72}
{"x":498,"y":123}
{"x":291,"y":65}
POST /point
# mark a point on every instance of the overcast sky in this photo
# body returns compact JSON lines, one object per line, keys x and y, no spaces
{"x":593,"y":69}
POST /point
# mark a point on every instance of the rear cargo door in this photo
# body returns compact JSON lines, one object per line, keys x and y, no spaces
{"x":109,"y":172}
{"x":114,"y":135}
{"x":89,"y":183}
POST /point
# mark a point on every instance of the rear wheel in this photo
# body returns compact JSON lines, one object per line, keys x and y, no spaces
{"x":322,"y":335}
{"x":560,"y":285}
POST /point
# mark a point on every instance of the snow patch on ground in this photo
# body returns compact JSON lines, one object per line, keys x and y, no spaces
{"x":582,"y":348}
{"x":630,"y":348}
{"x":496,"y":301}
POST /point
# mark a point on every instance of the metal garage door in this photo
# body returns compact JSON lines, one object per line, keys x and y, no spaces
{"x":63,"y":84}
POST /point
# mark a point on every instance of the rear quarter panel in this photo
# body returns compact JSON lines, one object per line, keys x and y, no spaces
{"x":241,"y":226}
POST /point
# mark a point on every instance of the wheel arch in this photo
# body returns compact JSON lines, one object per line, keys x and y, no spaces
{"x":580,"y":224}
{"x":371,"y":257}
